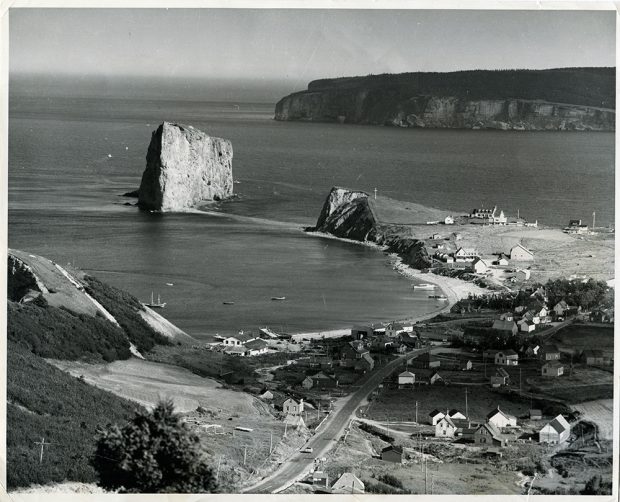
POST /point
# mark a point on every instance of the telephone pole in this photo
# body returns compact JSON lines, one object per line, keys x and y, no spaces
{"x":245,"y":453}
{"x":217,"y":472}
{"x":416,"y":412}
{"x":593,"y":219}
{"x":42,"y":443}
{"x":270,"y":442}
{"x":466,"y":410}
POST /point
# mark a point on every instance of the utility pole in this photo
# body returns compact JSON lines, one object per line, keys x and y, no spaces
{"x":42,"y":443}
{"x":466,"y":409}
{"x":416,"y":412}
{"x":285,"y":427}
{"x":519,"y":380}
{"x":217,"y":472}
{"x":593,"y":219}
{"x":375,"y":193}
{"x":270,"y":442}
{"x":425,"y":477}
{"x":245,"y":453}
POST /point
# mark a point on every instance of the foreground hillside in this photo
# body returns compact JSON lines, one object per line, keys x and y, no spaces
{"x":557,"y":99}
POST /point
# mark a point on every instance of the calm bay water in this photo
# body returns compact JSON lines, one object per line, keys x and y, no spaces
{"x":64,"y":204}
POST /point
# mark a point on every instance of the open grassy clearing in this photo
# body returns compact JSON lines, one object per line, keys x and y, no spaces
{"x":580,"y":337}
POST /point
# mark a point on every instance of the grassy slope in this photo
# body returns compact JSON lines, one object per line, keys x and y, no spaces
{"x":60,"y":408}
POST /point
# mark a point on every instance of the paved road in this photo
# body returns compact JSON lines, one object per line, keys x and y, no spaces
{"x":329,"y":432}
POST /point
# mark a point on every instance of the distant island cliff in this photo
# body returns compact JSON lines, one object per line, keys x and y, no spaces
{"x":581,"y":99}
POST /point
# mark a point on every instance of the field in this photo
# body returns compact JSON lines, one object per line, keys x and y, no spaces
{"x":599,"y":412}
{"x":579,"y":337}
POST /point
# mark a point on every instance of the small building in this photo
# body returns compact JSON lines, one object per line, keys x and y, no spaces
{"x":508,"y":328}
{"x":560,"y":308}
{"x":455,"y":414}
{"x":576,"y":227}
{"x":323,"y":381}
{"x":523,"y":274}
{"x":602,"y":316}
{"x":393,"y":329}
{"x":362,"y":332}
{"x":465,"y":255}
{"x":256,"y":347}
{"x":550,"y":352}
{"x":365,"y":364}
{"x":426,"y":360}
{"x":465,"y":365}
{"x":436,"y":416}
{"x":239,"y":351}
{"x":435,"y":378}
{"x":410,"y":340}
{"x":536,"y":414}
{"x":552,"y":369}
{"x":448,"y":220}
{"x":392,"y":453}
{"x":239,"y":339}
{"x":307,"y":383}
{"x":501,"y":378}
{"x":320,"y":479}
{"x":435,"y":237}
{"x":521,"y":253}
{"x":406,"y":379}
{"x":507,"y":357}
{"x":555,"y":432}
{"x":292,"y":407}
{"x":502,"y":260}
{"x":348,"y":483}
{"x":445,"y":428}
{"x":596,"y":357}
{"x":267,"y":395}
{"x":479,"y":266}
{"x":526,"y":326}
{"x":488,"y":434}
{"x":501,"y":419}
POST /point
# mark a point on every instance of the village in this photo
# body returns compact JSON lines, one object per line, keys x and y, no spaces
{"x":496,"y":378}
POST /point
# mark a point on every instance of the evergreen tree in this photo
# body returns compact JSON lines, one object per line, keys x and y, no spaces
{"x":154,"y":453}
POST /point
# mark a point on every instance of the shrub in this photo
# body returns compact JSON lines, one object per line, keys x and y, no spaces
{"x":154,"y":453}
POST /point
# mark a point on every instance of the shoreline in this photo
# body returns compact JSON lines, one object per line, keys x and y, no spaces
{"x":454,"y":289}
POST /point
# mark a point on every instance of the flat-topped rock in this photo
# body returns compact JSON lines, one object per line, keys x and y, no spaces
{"x":185,"y":166}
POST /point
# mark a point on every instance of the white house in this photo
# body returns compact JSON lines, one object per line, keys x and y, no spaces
{"x":445,"y":428}
{"x":464,"y":255}
{"x":436,"y":416}
{"x":499,"y":219}
{"x":455,"y":414}
{"x":266,"y":395}
{"x":507,"y":357}
{"x":406,"y":379}
{"x":348,"y":483}
{"x":292,"y":407}
{"x":520,"y":253}
{"x":394,"y":329}
{"x":256,"y":347}
{"x":555,"y":432}
{"x":526,"y":326}
{"x":552,"y":369}
{"x":501,"y":419}
{"x":449,"y":220}
{"x":523,"y":274}
{"x":501,"y":261}
{"x":479,"y":266}
{"x":238,"y":340}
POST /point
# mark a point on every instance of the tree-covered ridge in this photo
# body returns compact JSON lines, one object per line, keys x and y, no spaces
{"x":47,"y":403}
{"x":577,"y":86}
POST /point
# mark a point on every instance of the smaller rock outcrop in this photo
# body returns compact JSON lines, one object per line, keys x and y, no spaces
{"x":185,"y":166}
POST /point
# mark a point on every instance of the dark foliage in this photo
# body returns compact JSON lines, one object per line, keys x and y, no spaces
{"x":154,"y":453}
{"x":45,"y":402}
{"x":596,"y":486}
{"x":391,"y":480}
{"x":579,"y":86}
{"x":124,"y":307}
{"x":585,"y":295}
{"x":57,"y":333}
{"x":381,"y":487}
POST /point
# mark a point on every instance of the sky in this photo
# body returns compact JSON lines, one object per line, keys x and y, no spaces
{"x":293,"y":47}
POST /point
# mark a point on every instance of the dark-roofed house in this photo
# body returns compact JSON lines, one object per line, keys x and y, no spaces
{"x":256,"y":347}
{"x":455,"y":414}
{"x":410,"y":340}
{"x":602,"y":315}
{"x":550,"y":352}
{"x":392,"y":453}
{"x":323,"y":381}
{"x":436,"y":416}
{"x":507,"y":357}
{"x":351,"y":353}
{"x":307,"y":383}
{"x":365,"y":364}
{"x":552,"y":369}
{"x":239,"y":339}
{"x":489,"y":435}
{"x":500,"y":378}
{"x":555,"y":432}
{"x":506,"y":327}
{"x":501,"y":419}
{"x":361,"y":332}
{"x":426,"y":360}
{"x":596,"y":357}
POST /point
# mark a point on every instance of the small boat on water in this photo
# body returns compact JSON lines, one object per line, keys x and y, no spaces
{"x":169,"y":284}
{"x":228,"y":303}
{"x":154,"y":305}
{"x":438,"y":297}
{"x":278,"y":298}
{"x":424,"y":285}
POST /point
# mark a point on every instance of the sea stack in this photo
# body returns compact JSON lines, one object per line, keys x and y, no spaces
{"x":185,"y":166}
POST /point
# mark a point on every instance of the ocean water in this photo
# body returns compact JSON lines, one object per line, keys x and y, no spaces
{"x":64,"y":203}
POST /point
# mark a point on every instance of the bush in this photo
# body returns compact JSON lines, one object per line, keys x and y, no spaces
{"x":391,"y":480}
{"x":154,"y":453}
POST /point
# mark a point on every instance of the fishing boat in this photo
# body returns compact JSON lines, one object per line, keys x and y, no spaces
{"x":158,"y":305}
{"x":228,"y":303}
{"x":438,"y":297}
{"x":278,"y":298}
{"x":424,"y":285}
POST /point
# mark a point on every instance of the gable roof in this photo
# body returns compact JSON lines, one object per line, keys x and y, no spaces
{"x":495,"y":433}
{"x":407,"y":374}
{"x":522,"y":247}
{"x":448,"y":420}
{"x":434,"y":413}
{"x":553,"y":364}
{"x":496,"y":411}
{"x":559,"y":424}
{"x":503,"y":373}
{"x":348,"y":483}
{"x":257,"y":344}
{"x":394,"y":448}
{"x":508,"y":352}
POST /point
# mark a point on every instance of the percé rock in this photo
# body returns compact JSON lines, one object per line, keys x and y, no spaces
{"x":562,"y":99}
{"x":185,"y":166}
{"x":349,"y":214}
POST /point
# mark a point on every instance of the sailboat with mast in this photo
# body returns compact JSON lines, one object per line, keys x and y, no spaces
{"x":158,"y":305}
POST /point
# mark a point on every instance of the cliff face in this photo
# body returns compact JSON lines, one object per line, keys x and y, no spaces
{"x":567,"y":99}
{"x":349,"y":214}
{"x":185,"y":166}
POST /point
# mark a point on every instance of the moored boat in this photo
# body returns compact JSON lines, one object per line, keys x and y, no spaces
{"x":279,"y":298}
{"x":424,"y":285}
{"x":156,"y":305}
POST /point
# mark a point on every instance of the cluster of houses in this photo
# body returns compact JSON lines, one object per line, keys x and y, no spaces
{"x":479,"y":265}
{"x":495,"y":431}
{"x":243,"y":345}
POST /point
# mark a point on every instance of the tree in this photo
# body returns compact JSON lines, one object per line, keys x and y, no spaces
{"x":154,"y":453}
